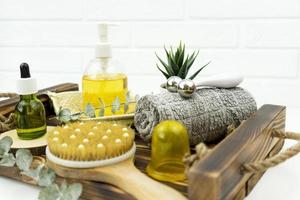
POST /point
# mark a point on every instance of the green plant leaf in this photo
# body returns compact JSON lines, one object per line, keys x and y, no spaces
{"x":50,"y":193}
{"x":167,"y":67}
{"x":191,"y":61}
{"x":46,"y":176}
{"x":76,"y":116}
{"x":181,"y":56}
{"x":23,"y":159}
{"x":34,"y":173}
{"x":5,"y":144}
{"x":63,"y":186}
{"x":8,"y":160}
{"x":127,"y":102}
{"x":64,"y":115}
{"x":73,"y":192}
{"x":168,"y":55}
{"x":126,"y":107}
{"x":164,"y":73}
{"x":127,"y":98}
{"x":102,"y":108}
{"x":101,"y":112}
{"x":183,"y":68}
{"x":90,"y":111}
{"x":178,"y":51}
{"x":115,"y":105}
{"x":174,"y":65}
{"x":173,"y":62}
{"x":197,"y":72}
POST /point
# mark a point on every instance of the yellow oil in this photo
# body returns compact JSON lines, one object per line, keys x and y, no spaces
{"x":170,"y":143}
{"x":107,"y":87}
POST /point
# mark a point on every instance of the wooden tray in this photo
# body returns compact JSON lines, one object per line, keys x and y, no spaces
{"x":217,"y":176}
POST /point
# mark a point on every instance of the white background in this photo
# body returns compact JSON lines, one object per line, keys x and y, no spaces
{"x":258,"y":38}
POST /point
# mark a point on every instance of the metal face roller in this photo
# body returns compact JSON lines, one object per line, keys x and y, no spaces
{"x":186,"y":87}
{"x":172,"y":83}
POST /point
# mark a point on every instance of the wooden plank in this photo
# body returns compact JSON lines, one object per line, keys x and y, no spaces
{"x":219,"y":175}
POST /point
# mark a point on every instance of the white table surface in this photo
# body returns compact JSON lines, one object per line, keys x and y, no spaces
{"x":281,"y":182}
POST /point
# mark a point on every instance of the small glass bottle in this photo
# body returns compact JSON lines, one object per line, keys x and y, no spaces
{"x":30,"y":112}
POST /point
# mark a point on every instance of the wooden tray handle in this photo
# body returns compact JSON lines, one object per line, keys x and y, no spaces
{"x":263,"y":165}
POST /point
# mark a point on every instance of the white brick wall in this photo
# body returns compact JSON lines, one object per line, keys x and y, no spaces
{"x":258,"y":38}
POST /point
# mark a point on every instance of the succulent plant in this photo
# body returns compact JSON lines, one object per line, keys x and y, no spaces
{"x":179,"y":64}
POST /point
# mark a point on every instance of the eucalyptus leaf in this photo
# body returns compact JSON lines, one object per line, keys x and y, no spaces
{"x":126,"y":107}
{"x":46,"y":176}
{"x":102,"y":108}
{"x":115,"y":105}
{"x":64,"y":115}
{"x":127,"y":98}
{"x":5,"y":144}
{"x":50,"y":193}
{"x":34,"y":173}
{"x":76,"y":116}
{"x":90,"y":111}
{"x":101,"y":112}
{"x":8,"y":160}
{"x":63,"y":186}
{"x":72,"y":192}
{"x":23,"y":159}
{"x":62,"y":192}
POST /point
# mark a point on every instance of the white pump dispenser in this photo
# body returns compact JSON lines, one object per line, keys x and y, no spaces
{"x":103,"y":48}
{"x":102,"y":79}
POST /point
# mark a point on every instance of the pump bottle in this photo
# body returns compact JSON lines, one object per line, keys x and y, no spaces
{"x":103,"y":81}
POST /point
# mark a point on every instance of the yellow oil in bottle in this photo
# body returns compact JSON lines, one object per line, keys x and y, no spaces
{"x":107,"y":87}
{"x":170,"y":143}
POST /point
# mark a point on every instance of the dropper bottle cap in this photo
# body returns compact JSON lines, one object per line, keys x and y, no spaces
{"x":26,"y":84}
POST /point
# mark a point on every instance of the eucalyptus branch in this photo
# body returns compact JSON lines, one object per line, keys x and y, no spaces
{"x":65,"y":114}
{"x":42,"y":175}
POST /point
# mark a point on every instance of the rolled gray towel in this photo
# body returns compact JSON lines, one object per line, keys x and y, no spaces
{"x":206,"y":114}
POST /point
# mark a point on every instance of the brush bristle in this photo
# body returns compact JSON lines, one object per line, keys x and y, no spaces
{"x":90,"y":141}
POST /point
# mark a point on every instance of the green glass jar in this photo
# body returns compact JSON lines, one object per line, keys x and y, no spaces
{"x":30,"y":112}
{"x":30,"y":117}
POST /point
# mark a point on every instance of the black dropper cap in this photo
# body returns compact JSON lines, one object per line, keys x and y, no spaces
{"x":24,"y":69}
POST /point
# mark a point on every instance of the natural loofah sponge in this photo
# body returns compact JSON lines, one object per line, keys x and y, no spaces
{"x":206,"y":114}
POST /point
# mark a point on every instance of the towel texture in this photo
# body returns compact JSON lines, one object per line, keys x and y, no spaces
{"x":206,"y":114}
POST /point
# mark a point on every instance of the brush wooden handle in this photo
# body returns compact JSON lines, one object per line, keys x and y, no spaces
{"x":125,"y":176}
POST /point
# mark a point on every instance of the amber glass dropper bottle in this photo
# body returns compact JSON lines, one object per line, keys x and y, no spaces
{"x":30,"y":112}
